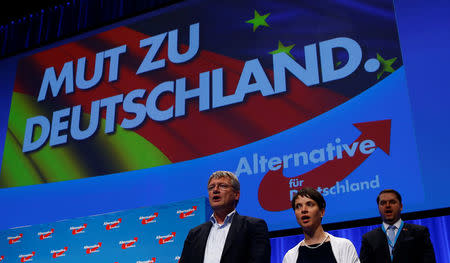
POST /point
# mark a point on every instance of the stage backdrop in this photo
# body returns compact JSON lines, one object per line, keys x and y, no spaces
{"x":285,"y":94}
{"x":144,"y":235}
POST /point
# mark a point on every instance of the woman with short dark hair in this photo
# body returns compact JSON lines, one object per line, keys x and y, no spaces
{"x":318,"y":246}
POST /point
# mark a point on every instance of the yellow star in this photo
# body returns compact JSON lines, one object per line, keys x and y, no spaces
{"x":282,"y":48}
{"x":386,"y":65}
{"x":258,"y":20}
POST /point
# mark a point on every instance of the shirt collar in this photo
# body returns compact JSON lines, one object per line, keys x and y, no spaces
{"x":397,"y":224}
{"x":227,"y":220}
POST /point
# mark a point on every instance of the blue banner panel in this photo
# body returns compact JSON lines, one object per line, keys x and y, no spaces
{"x":148,"y":234}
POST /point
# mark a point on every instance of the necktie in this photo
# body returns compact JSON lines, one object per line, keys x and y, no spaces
{"x":391,"y":235}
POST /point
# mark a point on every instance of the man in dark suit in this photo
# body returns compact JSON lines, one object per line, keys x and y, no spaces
{"x":228,"y":236}
{"x":395,"y":241}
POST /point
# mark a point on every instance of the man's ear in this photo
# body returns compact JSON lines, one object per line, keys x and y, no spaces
{"x":322,"y":212}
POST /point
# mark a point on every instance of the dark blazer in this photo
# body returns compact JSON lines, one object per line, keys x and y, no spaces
{"x":413,"y":246}
{"x":247,"y":241}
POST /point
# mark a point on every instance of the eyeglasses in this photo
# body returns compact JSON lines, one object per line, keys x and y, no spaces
{"x":220,"y":186}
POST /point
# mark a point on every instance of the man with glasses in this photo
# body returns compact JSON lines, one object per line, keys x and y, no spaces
{"x":228,"y":236}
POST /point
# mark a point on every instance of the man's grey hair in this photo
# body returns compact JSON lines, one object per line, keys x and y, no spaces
{"x":234,"y":180}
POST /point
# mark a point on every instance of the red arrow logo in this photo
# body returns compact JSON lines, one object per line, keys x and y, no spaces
{"x":186,"y":214}
{"x":27,"y":258}
{"x":58,"y":254}
{"x":129,"y":244}
{"x":79,"y":230}
{"x":90,"y":250}
{"x":167,"y":239}
{"x":14,"y":240}
{"x":113,"y":225}
{"x":44,"y":236}
{"x":150,"y":219}
{"x":273,"y":193}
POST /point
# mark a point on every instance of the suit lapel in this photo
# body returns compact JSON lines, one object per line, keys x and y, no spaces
{"x":235,"y":225}
{"x":401,"y":236}
{"x":384,"y":244}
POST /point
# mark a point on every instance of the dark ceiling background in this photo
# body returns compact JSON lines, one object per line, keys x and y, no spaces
{"x":15,"y":9}
{"x":26,"y":25}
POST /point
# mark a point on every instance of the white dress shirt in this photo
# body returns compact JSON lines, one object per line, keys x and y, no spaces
{"x":216,"y":238}
{"x":397,"y":224}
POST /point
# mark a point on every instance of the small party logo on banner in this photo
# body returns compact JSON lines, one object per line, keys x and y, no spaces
{"x":45,"y":235}
{"x":27,"y":257}
{"x":113,"y":224}
{"x":78,"y":229}
{"x":153,"y":260}
{"x":187,"y":213}
{"x":148,"y":219}
{"x":59,"y":253}
{"x":166,"y":239}
{"x":15,"y":239}
{"x":128,"y":243}
{"x":93,"y":249}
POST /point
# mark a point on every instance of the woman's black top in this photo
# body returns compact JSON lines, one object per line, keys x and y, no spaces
{"x":318,"y":254}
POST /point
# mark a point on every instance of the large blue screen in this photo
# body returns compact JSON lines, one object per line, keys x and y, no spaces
{"x":347,"y":97}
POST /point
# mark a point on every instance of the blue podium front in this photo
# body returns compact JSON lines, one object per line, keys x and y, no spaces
{"x":143,"y":235}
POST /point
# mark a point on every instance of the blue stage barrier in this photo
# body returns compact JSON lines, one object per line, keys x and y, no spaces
{"x":149,"y":234}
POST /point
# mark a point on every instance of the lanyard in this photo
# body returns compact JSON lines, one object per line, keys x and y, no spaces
{"x":395,"y":239}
